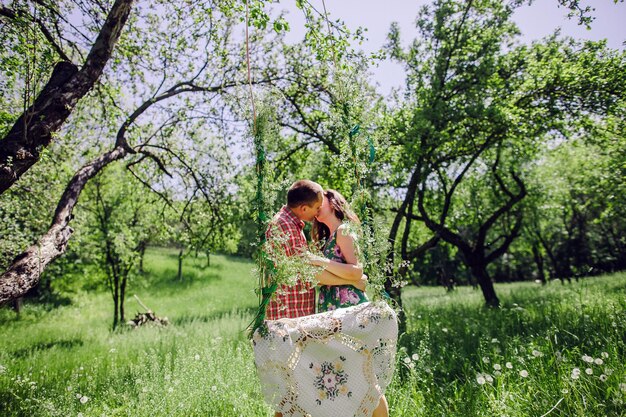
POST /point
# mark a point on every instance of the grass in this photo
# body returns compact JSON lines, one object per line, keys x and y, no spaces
{"x":529,"y":358}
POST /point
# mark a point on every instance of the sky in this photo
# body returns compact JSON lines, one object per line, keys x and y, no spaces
{"x":540,"y":19}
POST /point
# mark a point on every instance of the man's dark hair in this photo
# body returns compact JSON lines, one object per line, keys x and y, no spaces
{"x":303,"y":192}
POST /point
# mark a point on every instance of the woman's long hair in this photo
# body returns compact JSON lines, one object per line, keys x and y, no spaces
{"x":320,"y":232}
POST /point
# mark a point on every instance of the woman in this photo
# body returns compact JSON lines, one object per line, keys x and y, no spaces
{"x":332,"y":228}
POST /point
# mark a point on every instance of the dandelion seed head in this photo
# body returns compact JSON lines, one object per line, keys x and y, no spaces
{"x":486,"y":359}
{"x":497,"y":366}
{"x":84,"y":399}
{"x":523,"y":373}
{"x":407,"y":360}
{"x":197,"y":357}
{"x":564,"y":391}
{"x":598,"y":361}
{"x":497,"y":373}
{"x":481,"y":380}
{"x":489,"y":378}
{"x":589,"y":371}
{"x":509,"y":365}
{"x":415,"y":356}
{"x":214,"y":388}
{"x":604,"y":355}
{"x":603,"y":378}
{"x":536,"y":353}
{"x":78,"y":396}
{"x":587,"y":359}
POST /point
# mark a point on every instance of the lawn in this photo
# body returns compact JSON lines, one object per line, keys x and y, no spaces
{"x":558,"y":350}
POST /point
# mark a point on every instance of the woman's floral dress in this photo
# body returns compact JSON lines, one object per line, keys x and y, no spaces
{"x":337,"y":296}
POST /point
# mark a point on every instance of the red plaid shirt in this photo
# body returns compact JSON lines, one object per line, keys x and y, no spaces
{"x":294,"y":301}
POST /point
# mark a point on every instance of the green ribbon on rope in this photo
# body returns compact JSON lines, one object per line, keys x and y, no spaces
{"x":259,"y":318}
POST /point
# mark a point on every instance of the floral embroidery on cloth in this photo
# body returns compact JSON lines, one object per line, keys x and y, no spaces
{"x":331,"y":380}
{"x":336,"y":363}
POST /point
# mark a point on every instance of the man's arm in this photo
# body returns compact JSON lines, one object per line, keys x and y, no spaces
{"x":328,"y":278}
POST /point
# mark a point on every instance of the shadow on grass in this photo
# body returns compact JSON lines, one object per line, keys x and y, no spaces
{"x":64,"y":344}
{"x":213,"y":316}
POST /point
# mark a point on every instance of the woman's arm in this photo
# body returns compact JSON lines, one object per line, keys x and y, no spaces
{"x":352,"y":270}
{"x":328,"y":278}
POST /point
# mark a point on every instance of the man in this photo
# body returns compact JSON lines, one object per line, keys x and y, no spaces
{"x":304,"y":200}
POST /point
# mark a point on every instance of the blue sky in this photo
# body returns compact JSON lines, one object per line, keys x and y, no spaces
{"x":535,"y":22}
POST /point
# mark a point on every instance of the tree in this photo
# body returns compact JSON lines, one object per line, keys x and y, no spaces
{"x":154,"y":119}
{"x":477,"y":107}
{"x":118,"y":216}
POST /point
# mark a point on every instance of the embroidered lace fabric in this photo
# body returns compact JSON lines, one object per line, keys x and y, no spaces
{"x":336,"y":363}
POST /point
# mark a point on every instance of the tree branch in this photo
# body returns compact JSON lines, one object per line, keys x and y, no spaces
{"x":20,"y":148}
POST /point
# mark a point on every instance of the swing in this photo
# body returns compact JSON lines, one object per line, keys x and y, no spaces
{"x":336,"y":363}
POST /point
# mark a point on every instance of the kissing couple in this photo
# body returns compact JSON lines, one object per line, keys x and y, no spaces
{"x":334,"y":356}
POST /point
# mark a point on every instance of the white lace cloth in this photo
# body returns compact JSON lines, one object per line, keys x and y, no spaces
{"x":336,"y":363}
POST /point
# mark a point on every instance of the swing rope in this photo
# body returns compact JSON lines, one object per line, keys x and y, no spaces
{"x":264,"y":264}
{"x":266,"y":268}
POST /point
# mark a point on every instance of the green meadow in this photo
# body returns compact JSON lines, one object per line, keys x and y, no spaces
{"x":558,"y":350}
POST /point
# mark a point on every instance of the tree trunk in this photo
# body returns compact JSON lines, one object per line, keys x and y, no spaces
{"x":142,"y":252}
{"x":21,"y":147}
{"x":479,"y":270}
{"x":208,"y":258}
{"x":123,"y":297}
{"x":180,"y":265}
{"x":116,"y":301}
{"x":539,"y":261}
{"x":25,"y":271}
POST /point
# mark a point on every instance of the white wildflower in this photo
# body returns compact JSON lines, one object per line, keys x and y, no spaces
{"x":589,"y":371}
{"x":415,"y":356}
{"x":481,"y":379}
{"x":523,"y":373}
{"x":78,"y":396}
{"x":603,"y":378}
{"x":509,"y":365}
{"x":407,"y":360}
{"x":497,"y":366}
{"x":84,"y":399}
{"x":587,"y":359}
{"x":598,"y":361}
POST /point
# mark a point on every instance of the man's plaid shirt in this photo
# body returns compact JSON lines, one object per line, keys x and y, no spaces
{"x":299,"y":300}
